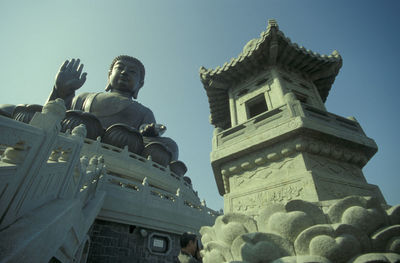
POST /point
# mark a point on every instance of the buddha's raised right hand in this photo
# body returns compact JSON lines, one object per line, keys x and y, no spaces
{"x":69,"y":77}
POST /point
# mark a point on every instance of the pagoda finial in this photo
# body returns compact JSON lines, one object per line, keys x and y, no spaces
{"x":336,"y":54}
{"x":272,"y":23}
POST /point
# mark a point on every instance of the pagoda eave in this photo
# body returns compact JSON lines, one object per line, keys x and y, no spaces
{"x":274,"y":49}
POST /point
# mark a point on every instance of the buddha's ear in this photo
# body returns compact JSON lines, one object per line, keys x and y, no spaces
{"x":136,"y":92}
{"x":108,"y":87}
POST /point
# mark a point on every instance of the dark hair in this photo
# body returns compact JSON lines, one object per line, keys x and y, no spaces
{"x":130,"y":59}
{"x":186,"y":237}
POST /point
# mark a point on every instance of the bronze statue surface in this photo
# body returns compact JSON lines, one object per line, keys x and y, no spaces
{"x":118,"y":104}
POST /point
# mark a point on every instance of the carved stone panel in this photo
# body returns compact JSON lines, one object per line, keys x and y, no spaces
{"x":262,"y":175}
{"x":251,"y":201}
{"x":333,"y":189}
{"x":263,"y":169}
{"x":333,"y":168}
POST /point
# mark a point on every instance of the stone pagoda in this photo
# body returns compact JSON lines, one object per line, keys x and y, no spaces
{"x":289,"y":170}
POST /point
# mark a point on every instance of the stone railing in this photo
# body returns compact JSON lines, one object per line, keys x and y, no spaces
{"x":143,"y":191}
{"x":37,"y":163}
{"x":271,"y":116}
{"x":331,"y":119}
{"x":123,"y":164}
{"x":49,"y":196}
{"x":140,"y":203}
{"x":290,"y":110}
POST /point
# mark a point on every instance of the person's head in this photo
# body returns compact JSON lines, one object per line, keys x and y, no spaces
{"x":189,"y":242}
{"x":126,"y":75}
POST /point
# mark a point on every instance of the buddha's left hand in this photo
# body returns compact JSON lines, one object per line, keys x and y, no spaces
{"x":152,"y":130}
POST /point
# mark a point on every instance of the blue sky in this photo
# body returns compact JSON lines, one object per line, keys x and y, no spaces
{"x":174,"y":38}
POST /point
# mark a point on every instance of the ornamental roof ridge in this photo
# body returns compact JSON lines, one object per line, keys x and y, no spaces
{"x":334,"y":56}
{"x":271,"y":48}
{"x":255,"y":46}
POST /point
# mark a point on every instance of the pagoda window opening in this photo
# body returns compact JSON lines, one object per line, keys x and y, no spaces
{"x":256,"y":106}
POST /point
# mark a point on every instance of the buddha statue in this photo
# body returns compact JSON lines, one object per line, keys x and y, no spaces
{"x":118,"y":104}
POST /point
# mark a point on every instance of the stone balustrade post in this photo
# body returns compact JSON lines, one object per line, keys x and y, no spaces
{"x":125,"y":153}
{"x":50,"y":117}
{"x":180,"y":203}
{"x":15,"y":155}
{"x":31,"y":171}
{"x":84,"y":162}
{"x":145,"y":190}
{"x":101,"y":170}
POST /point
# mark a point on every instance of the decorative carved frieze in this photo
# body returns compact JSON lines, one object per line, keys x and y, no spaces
{"x":335,"y":160}
{"x":258,"y":200}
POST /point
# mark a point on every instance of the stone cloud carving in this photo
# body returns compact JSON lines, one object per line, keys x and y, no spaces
{"x":353,"y":229}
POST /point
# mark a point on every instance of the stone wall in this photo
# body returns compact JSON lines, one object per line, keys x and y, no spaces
{"x":120,"y":243}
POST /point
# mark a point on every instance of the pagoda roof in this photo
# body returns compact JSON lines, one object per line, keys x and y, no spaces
{"x":272,"y":48}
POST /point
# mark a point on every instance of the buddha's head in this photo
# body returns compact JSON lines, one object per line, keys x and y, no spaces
{"x":126,"y":76}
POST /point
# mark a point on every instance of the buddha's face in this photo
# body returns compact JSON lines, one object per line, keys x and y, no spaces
{"x":125,"y":77}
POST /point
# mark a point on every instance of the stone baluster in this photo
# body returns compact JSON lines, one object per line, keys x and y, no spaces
{"x":125,"y":152}
{"x":64,"y":156}
{"x":101,"y":170}
{"x":144,"y":182}
{"x":91,"y":172}
{"x":15,"y":155}
{"x":55,"y":155}
{"x":179,"y":200}
{"x":145,"y":191}
{"x":96,"y":146}
{"x":84,"y":162}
